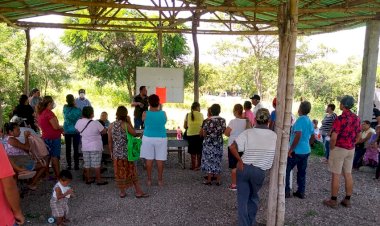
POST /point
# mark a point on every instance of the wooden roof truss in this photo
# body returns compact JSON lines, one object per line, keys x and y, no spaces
{"x":238,"y":17}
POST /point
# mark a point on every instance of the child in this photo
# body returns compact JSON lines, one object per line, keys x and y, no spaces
{"x":61,"y":195}
{"x":317,"y":133}
{"x":248,"y":114}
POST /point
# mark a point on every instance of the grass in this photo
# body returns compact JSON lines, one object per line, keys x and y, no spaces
{"x":311,"y":213}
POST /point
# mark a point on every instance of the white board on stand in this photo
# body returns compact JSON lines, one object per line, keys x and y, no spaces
{"x":168,"y":83}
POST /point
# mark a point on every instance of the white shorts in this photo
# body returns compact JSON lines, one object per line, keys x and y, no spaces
{"x":154,"y":148}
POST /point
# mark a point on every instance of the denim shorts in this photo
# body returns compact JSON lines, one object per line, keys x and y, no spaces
{"x":54,"y":147}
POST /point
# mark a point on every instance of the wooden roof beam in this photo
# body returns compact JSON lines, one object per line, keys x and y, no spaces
{"x":207,"y":8}
{"x":109,"y":28}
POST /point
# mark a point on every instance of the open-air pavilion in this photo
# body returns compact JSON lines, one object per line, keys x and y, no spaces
{"x":287,"y":19}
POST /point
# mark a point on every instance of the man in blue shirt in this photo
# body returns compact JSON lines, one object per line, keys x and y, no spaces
{"x":82,"y":101}
{"x":300,"y":138}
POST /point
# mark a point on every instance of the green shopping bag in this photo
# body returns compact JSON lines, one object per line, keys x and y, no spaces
{"x":134,"y":146}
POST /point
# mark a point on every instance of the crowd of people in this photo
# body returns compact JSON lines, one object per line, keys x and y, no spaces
{"x":251,"y":148}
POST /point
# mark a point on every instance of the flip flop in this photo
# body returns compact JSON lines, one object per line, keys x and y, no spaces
{"x":143,"y":195}
{"x":90,"y":181}
{"x":123,"y":196}
{"x":101,"y":183}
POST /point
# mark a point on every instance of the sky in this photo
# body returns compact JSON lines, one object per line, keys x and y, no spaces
{"x":347,"y":43}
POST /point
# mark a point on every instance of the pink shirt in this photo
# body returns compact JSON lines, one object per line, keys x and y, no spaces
{"x":6,"y":170}
{"x":48,"y":132}
{"x":250,"y":116}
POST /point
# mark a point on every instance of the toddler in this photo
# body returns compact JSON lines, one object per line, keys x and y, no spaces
{"x":61,"y":194}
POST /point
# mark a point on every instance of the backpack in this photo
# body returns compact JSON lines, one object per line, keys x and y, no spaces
{"x":38,"y":149}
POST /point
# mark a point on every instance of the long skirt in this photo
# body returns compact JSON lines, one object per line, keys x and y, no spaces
{"x":125,"y":173}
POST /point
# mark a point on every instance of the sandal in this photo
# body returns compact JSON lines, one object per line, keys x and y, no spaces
{"x":143,"y":195}
{"x":207,"y":183}
{"x":101,"y":183}
{"x":123,"y":195}
{"x":90,"y":181}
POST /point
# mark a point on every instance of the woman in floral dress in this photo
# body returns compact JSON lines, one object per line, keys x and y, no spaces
{"x":125,"y":171}
{"x":212,"y":152}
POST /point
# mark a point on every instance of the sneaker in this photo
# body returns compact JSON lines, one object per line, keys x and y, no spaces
{"x":287,"y":195}
{"x":299,"y":195}
{"x":232,"y":187}
{"x":330,"y":203}
{"x":346,"y":203}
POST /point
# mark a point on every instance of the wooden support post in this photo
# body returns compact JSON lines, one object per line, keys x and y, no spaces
{"x":196,"y":55}
{"x":160,"y":51}
{"x":288,"y":18}
{"x":26,"y":62}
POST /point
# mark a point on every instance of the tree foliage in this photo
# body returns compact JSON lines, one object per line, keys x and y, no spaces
{"x":11,"y":67}
{"x":113,"y":56}
{"x":50,"y":69}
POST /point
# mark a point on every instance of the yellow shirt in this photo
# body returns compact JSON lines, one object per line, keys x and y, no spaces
{"x":193,"y":127}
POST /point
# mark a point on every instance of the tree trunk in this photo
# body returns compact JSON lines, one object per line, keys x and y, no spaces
{"x":288,"y":18}
{"x":196,"y":55}
{"x":26,"y":62}
{"x":1,"y":115}
{"x":160,"y":50}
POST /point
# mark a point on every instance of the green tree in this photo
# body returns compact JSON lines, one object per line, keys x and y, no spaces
{"x":50,"y":69}
{"x":11,"y":68}
{"x":113,"y":56}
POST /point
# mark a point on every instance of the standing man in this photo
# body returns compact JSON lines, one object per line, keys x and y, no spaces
{"x":259,"y":147}
{"x":344,"y":134}
{"x":34,"y":98}
{"x":140,"y":102}
{"x":302,"y":135}
{"x":325,"y":129}
{"x":10,"y":210}
{"x":256,"y":102}
{"x":82,"y":101}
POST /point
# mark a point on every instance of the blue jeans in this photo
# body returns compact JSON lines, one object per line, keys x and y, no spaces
{"x":358,"y":158}
{"x":327,"y":146}
{"x":301,"y":162}
{"x":249,"y":182}
{"x":138,"y":123}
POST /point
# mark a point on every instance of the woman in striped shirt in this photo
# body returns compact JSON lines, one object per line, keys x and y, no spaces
{"x":326,"y":128}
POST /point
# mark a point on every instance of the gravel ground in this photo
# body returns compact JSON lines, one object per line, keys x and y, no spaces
{"x":184,"y":200}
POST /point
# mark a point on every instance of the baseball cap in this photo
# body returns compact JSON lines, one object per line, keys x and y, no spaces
{"x":255,"y":97}
{"x":347,"y":101}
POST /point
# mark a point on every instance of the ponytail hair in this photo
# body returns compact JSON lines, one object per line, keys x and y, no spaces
{"x":42,"y":105}
{"x":194,"y":107}
{"x":10,"y":126}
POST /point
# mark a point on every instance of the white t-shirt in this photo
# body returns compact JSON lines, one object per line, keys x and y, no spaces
{"x":91,"y":137}
{"x":237,"y":126}
{"x":63,"y":189}
{"x":259,"y":147}
{"x":257,"y":107}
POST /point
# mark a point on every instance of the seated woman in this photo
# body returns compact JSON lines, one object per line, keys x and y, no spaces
{"x":18,"y":153}
{"x":361,"y":144}
{"x":372,"y":151}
